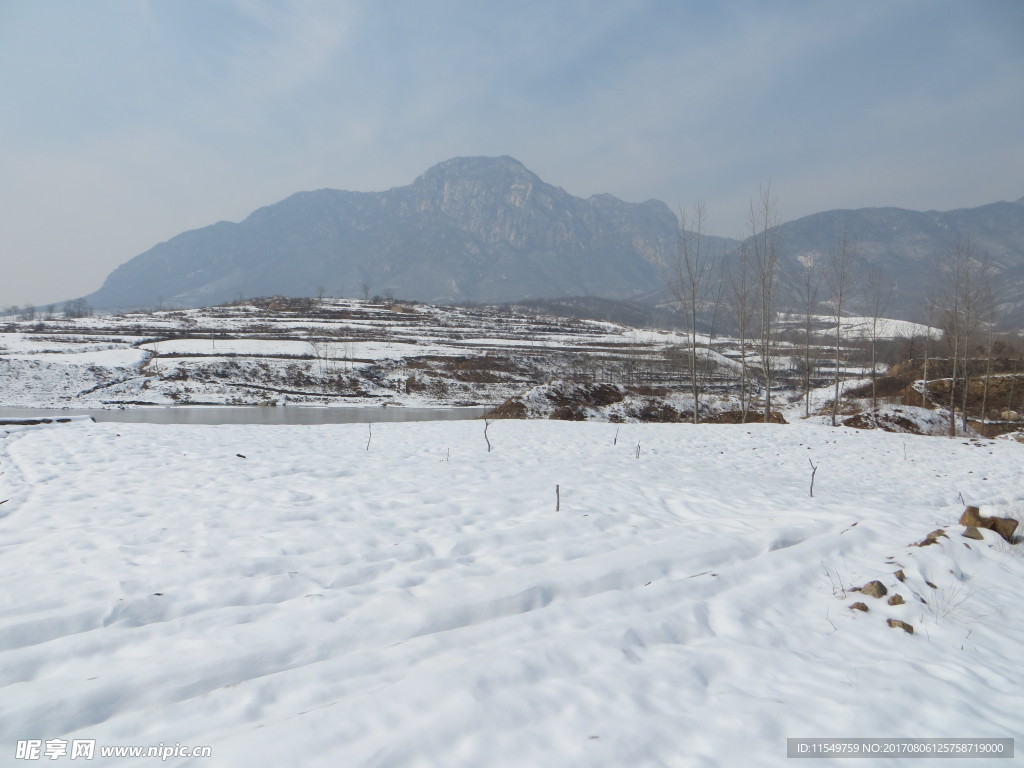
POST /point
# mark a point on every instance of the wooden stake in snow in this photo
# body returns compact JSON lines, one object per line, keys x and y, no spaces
{"x":558,"y":500}
{"x":814,"y":469}
{"x":369,"y":437}
{"x":638,"y":450}
{"x":487,"y":423}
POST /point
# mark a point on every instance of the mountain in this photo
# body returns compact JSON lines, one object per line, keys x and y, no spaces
{"x":469,"y":229}
{"x":909,"y":247}
{"x":486,"y":229}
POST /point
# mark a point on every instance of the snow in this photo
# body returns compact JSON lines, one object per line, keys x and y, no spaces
{"x":861,"y":327}
{"x":886,"y":328}
{"x":328,"y":595}
{"x":336,"y":353}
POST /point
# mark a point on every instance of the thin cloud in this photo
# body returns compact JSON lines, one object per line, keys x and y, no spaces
{"x":126,"y":124}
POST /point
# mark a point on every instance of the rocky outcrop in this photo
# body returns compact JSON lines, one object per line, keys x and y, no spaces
{"x":1004,"y":526}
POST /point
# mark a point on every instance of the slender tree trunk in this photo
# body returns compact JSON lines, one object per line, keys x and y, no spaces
{"x":835,"y":395}
{"x":689,"y":279}
{"x":924,"y":383}
{"x":764,"y":236}
{"x":988,"y":374}
{"x":742,"y":308}
{"x":874,"y":376}
{"x":952,"y":391}
{"x":744,"y":403}
{"x":967,"y":386}
{"x":839,"y":274}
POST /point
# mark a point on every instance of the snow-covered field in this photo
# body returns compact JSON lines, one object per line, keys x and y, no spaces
{"x":328,"y":596}
{"x":346,"y":352}
{"x":856,"y":327}
{"x":335,"y":352}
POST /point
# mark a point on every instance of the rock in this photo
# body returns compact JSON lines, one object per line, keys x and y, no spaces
{"x":971,"y":532}
{"x":971,"y":516}
{"x":568,"y":413}
{"x":874,"y":589}
{"x":896,"y":599}
{"x":931,"y":538}
{"x":894,"y":623}
{"x":1004,"y":526}
{"x":900,"y":575}
{"x":513,"y":408}
{"x":859,"y":607}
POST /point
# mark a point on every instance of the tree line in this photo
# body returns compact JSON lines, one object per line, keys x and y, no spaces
{"x":810,"y":304}
{"x":29,"y":312}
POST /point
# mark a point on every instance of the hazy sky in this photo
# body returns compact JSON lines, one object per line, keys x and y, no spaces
{"x":126,"y":122}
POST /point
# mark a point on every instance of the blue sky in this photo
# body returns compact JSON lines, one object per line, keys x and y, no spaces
{"x":124,"y":123}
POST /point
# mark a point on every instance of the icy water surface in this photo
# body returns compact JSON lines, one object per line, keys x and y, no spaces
{"x":249,"y":414}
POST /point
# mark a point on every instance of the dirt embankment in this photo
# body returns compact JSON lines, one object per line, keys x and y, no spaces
{"x":996,"y":386}
{"x":567,"y":401}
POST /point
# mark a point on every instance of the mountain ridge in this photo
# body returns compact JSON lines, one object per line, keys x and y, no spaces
{"x":487,"y":229}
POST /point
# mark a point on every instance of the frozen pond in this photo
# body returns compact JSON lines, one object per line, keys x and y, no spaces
{"x":250,"y":414}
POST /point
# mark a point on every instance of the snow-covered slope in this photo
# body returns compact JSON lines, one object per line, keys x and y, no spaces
{"x":325,"y":596}
{"x":336,"y":352}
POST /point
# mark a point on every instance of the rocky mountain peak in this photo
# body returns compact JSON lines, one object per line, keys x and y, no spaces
{"x":480,"y":184}
{"x":458,"y":168}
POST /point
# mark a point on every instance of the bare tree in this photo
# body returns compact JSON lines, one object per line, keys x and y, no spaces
{"x":692,"y":279}
{"x":979,"y":307}
{"x":741,"y":307}
{"x":839,"y":271}
{"x":764,"y":252}
{"x":989,"y":345}
{"x":321,"y":353}
{"x":961,"y":301}
{"x":877,"y":298}
{"x":807,"y":286}
{"x":77,"y":308}
{"x":929,"y":324}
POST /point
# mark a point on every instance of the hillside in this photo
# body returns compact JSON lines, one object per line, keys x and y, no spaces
{"x":910,"y":247}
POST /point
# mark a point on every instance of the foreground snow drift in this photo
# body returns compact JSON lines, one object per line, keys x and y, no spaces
{"x":325,"y":596}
